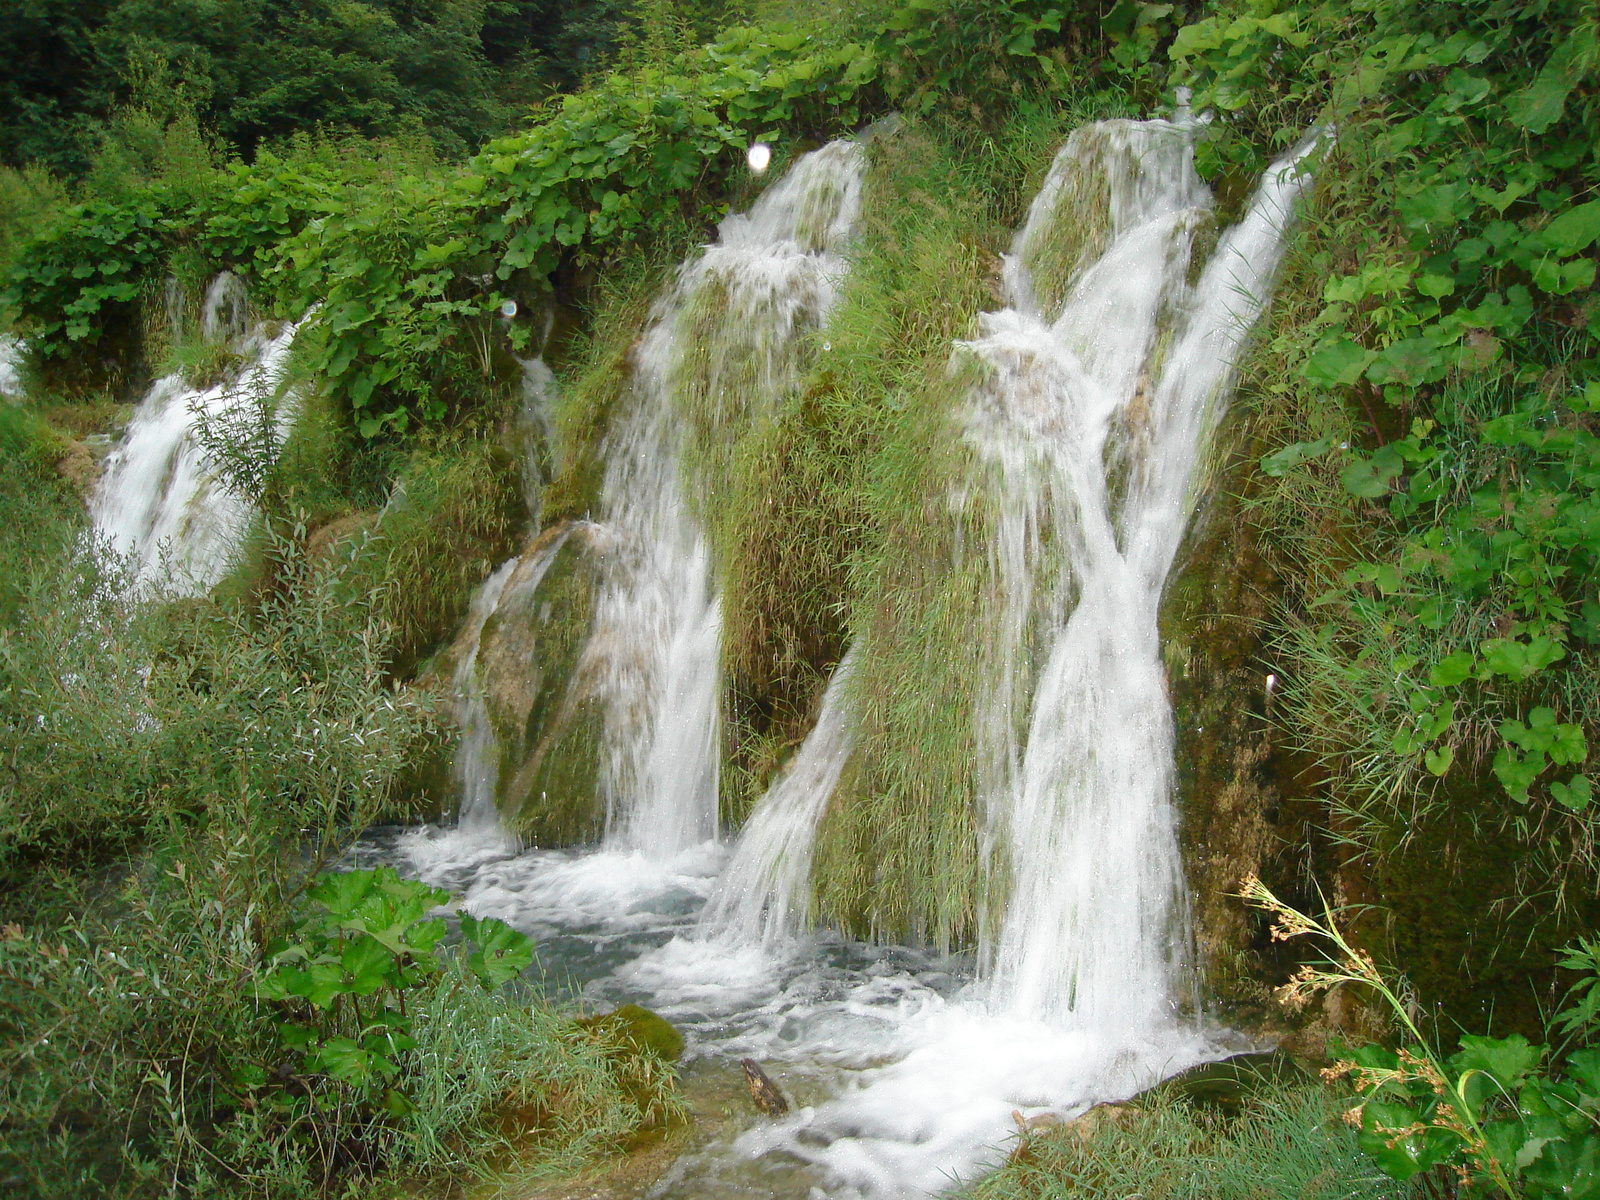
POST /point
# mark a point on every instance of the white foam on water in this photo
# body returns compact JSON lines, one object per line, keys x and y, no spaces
{"x":605,"y":889}
{"x":946,"y":1110}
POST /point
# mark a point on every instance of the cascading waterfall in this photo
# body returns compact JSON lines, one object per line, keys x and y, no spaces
{"x":1094,"y":422}
{"x":477,"y":762}
{"x":722,"y":347}
{"x":763,"y":894}
{"x":1101,"y":385}
{"x":10,"y":379}
{"x":159,"y":502}
{"x":1105,"y":378}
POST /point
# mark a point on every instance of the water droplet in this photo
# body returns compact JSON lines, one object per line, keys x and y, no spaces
{"x":508,"y":309}
{"x":759,"y":156}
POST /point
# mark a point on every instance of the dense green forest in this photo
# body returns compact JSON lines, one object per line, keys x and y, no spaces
{"x":1401,"y":535}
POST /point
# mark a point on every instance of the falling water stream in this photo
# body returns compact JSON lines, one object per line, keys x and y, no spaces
{"x":10,"y":378}
{"x":160,"y":503}
{"x":1101,"y":384}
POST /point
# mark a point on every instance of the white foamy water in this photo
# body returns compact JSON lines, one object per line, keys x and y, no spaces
{"x":477,"y":762}
{"x":1094,"y":421}
{"x":159,"y":502}
{"x":763,"y":897}
{"x":10,"y":378}
{"x":908,"y":1073}
{"x":722,"y":348}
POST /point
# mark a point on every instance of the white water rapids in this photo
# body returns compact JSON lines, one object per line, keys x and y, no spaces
{"x":1101,"y":384}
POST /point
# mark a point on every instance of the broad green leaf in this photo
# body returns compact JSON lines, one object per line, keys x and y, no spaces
{"x":1387,"y":579}
{"x":1435,"y":286}
{"x":1540,"y":105}
{"x":1569,"y":747}
{"x":1401,"y":1151}
{"x":1438,"y":761}
{"x":340,"y":892}
{"x":1583,"y":1066}
{"x":1574,"y":230}
{"x":1409,"y":362}
{"x":1338,"y":364}
{"x":368,"y":964}
{"x":1575,"y":794}
{"x":1277,"y":463}
{"x":1517,"y":774}
{"x":1451,"y":669}
{"x":345,"y":1059}
{"x":502,"y":953}
{"x":1438,"y":206}
{"x":1505,"y":1060}
{"x":1373,"y":478}
{"x":1519,"y":660}
{"x":1559,"y":278}
{"x":1567,"y":1167}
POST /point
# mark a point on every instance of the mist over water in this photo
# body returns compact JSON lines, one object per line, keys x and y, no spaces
{"x":1101,"y":384}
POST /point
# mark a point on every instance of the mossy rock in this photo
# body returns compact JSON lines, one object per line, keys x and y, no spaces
{"x":646,"y":1032}
{"x":1226,"y":1085}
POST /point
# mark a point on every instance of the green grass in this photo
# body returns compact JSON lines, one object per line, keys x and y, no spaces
{"x":1287,"y":1142}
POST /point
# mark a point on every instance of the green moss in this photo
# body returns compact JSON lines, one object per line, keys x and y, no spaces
{"x":645,"y":1031}
{"x":1233,"y":822}
{"x":547,"y":723}
{"x":456,"y":509}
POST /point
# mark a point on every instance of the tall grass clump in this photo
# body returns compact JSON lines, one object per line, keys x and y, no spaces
{"x":456,"y":510}
{"x":897,"y":854}
{"x":149,"y":1060}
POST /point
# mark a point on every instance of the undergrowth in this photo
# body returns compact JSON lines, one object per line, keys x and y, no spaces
{"x":1288,"y":1140}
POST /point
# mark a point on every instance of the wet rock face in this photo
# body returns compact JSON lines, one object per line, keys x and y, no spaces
{"x":1212,"y":619}
{"x":530,"y":667}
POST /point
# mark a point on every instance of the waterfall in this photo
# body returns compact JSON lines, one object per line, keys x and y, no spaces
{"x":477,"y":763}
{"x":1093,"y":420}
{"x":507,"y":594}
{"x":160,"y":502}
{"x":1097,"y":392}
{"x":763,"y":893}
{"x":10,"y":379}
{"x":723,"y":348}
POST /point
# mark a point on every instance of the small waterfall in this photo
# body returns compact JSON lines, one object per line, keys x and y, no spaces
{"x":477,"y":762}
{"x":722,"y":348}
{"x":160,"y":501}
{"x":1092,"y":422}
{"x":512,"y":584}
{"x":10,"y":378}
{"x":478,"y":757}
{"x":762,"y":896}
{"x":541,"y":443}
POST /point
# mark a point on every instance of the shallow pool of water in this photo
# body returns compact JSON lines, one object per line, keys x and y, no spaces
{"x":902,"y":1081}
